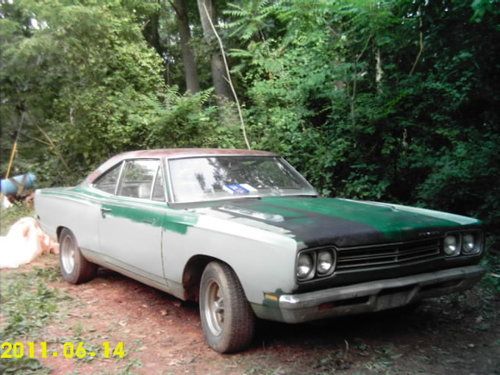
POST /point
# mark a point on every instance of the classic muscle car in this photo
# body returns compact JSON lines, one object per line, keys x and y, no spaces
{"x":245,"y":235}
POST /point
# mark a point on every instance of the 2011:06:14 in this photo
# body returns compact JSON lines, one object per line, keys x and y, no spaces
{"x":70,"y":350}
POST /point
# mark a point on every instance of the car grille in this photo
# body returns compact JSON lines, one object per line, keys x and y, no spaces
{"x":381,"y":256}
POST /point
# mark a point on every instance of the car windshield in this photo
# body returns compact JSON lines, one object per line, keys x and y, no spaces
{"x":226,"y":177}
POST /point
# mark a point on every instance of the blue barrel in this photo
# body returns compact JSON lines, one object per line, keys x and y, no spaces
{"x":13,"y":185}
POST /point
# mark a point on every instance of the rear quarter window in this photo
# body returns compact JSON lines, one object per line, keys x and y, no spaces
{"x":137,"y":178}
{"x":108,"y":180}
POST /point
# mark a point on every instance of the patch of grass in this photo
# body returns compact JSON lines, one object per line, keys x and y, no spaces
{"x":27,"y":305}
{"x":383,"y":360}
{"x":335,"y":361}
{"x":9,"y":216}
{"x":129,"y":367}
{"x":78,"y":331}
{"x":491,"y":281}
{"x":22,"y":366}
{"x":79,"y":336}
{"x":48,"y":274}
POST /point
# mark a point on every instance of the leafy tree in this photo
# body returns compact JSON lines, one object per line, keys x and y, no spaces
{"x":377,"y":99}
{"x":87,"y":84}
{"x":391,"y":100}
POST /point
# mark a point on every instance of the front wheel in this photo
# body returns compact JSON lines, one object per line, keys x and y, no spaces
{"x":75,"y":269}
{"x":227,"y":320}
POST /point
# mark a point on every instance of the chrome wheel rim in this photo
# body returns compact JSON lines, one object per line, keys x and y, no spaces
{"x":68,"y":250}
{"x":214,"y":308}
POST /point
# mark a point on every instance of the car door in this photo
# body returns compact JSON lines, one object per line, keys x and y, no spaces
{"x":130,"y":226}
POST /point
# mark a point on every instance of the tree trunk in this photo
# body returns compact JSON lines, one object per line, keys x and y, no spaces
{"x":152,"y":36}
{"x":219,"y":79}
{"x":190,"y":72}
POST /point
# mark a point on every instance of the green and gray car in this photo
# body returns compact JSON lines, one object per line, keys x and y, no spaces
{"x":245,"y":235}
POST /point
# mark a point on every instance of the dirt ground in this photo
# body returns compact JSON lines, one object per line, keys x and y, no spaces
{"x":456,"y":335}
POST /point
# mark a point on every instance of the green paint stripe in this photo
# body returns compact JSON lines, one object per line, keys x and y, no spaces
{"x":168,"y":219}
{"x":95,"y":197}
{"x":150,"y":212}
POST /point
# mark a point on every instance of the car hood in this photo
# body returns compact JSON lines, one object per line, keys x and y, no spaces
{"x":334,"y":221}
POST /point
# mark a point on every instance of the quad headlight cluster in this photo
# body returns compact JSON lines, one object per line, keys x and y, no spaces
{"x":314,"y":264}
{"x":465,"y":243}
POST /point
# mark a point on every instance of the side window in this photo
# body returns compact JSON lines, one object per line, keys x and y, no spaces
{"x":107,"y":181}
{"x":159,"y":187}
{"x":137,"y":178}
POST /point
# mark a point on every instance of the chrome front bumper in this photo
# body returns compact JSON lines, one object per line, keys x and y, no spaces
{"x":375,"y":295}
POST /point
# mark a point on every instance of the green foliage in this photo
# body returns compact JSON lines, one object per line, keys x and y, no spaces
{"x":87,"y":86}
{"x":347,"y":93}
{"x":250,"y":19}
{"x":27,"y":302}
{"x":491,"y":281}
{"x":27,"y":305}
{"x":9,"y":216}
{"x":190,"y":121}
{"x":484,"y":7}
{"x":390,"y":100}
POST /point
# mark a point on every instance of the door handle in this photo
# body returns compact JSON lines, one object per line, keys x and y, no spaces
{"x":105,"y":211}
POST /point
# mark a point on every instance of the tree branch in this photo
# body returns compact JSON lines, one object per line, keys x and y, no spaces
{"x":53,"y":147}
{"x":354,"y":81}
{"x":421,"y":46}
{"x":175,"y":9}
{"x":221,"y":46}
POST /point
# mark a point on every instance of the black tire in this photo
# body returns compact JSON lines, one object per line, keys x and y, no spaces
{"x":75,"y":269}
{"x":231,"y":329}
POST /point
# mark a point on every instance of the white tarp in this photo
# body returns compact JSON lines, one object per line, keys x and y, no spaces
{"x":24,"y":242}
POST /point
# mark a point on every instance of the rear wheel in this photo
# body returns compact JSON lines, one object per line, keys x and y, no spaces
{"x":74,"y":267}
{"x":227,"y":319}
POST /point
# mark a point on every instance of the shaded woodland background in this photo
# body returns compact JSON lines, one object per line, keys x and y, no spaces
{"x":385,"y":100}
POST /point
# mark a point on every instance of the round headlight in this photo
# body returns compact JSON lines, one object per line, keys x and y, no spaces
{"x":304,"y":266}
{"x":451,"y":246}
{"x":470,"y":244}
{"x":325,"y":262}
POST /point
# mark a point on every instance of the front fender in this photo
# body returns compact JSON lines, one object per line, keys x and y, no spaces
{"x":263,"y":261}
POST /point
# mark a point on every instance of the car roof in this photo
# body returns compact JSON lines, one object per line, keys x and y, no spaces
{"x":176,"y":152}
{"x":171,"y":153}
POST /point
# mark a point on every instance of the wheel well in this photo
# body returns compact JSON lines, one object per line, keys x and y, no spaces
{"x":192,"y":275}
{"x":58,"y":231}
